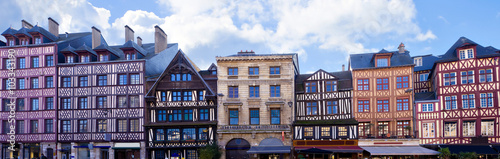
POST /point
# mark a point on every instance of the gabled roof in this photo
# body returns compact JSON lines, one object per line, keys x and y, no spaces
{"x":367,"y":60}
{"x":212,"y":67}
{"x":481,"y":52}
{"x":69,"y":49}
{"x":131,"y":44}
{"x":104,"y":46}
{"x":85,"y":48}
{"x":344,"y":79}
{"x":24,"y":31}
{"x":427,"y":62}
{"x":44,"y":32}
{"x":10,"y":31}
{"x":155,"y":62}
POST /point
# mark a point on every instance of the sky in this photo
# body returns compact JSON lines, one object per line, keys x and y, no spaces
{"x":322,"y":32}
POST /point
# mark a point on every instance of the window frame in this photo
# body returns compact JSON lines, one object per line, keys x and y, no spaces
{"x":253,"y":71}
{"x":311,"y":87}
{"x":232,"y":92}
{"x":311,"y":108}
{"x":254,"y":91}
{"x":233,"y":116}
{"x":364,"y":105}
{"x":274,"y":70}
{"x":275,"y":90}
{"x":402,"y":104}
{"x":467,"y":77}
{"x":364,"y":84}
{"x":331,"y":86}
{"x":232,"y":71}
{"x":402,"y":82}
{"x":447,"y":130}
{"x":382,"y":83}
{"x":254,"y":114}
{"x":383,"y":105}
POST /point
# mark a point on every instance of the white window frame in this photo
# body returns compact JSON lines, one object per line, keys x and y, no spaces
{"x":428,"y":107}
{"x":423,"y":77}
{"x":488,"y":128}
{"x":466,"y":53}
{"x":428,"y":130}
{"x":417,"y":61}
{"x":469,"y":128}
{"x":450,"y":129}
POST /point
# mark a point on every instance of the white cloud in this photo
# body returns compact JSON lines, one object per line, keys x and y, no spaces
{"x":443,"y":19}
{"x":427,"y":36}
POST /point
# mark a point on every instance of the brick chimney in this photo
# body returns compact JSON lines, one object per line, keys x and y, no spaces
{"x":343,"y":67}
{"x":160,"y":40}
{"x":129,"y":33}
{"x":53,"y":27}
{"x":96,"y":37}
{"x":26,"y":24}
{"x":401,"y":48}
{"x":139,"y":41}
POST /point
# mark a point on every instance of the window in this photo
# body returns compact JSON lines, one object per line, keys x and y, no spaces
{"x":331,"y":86}
{"x":20,"y":104}
{"x":191,"y":154}
{"x":188,"y":114}
{"x":66,"y":103}
{"x":12,"y":42}
{"x":383,"y":105}
{"x":382,"y":62}
{"x":486,"y":100}
{"x":122,"y":101}
{"x":84,"y":58}
{"x":423,"y":77}
{"x":5,"y":105}
{"x":22,"y":62}
{"x":163,"y":96}
{"x":189,"y":134}
{"x":254,"y":117}
{"x":203,"y":133}
{"x":102,"y":125}
{"x":160,"y":135}
{"x":382,"y":83}
{"x":486,"y":75}
{"x":383,"y":128}
{"x":49,"y":126}
{"x":450,"y":79}
{"x":38,"y":40}
{"x":214,"y":72}
{"x":364,"y":129}
{"x":20,"y":127}
{"x":134,"y":125}
{"x":450,"y":102}
{"x":188,"y":96}
{"x":122,"y":125}
{"x":310,"y":87}
{"x":176,"y":96}
{"x":49,"y":103}
{"x":103,"y":57}
{"x":428,"y":107}
{"x":487,"y":127}
{"x":176,"y":115}
{"x":253,"y":71}
{"x":200,"y":95}
{"x":402,"y":104}
{"x":20,"y":84}
{"x":134,"y":101}
{"x":308,"y":132}
{"x":70,"y":59}
{"x":173,"y":135}
{"x":466,"y":54}
{"x":34,"y":83}
{"x":34,"y":126}
{"x":82,"y":103}
{"x":8,"y":64}
{"x":82,"y":126}
{"x":49,"y":82}
{"x":162,"y":115}
{"x":122,"y":79}
{"x":6,"y":126}
{"x":134,"y":79}
{"x":402,"y":128}
{"x":275,"y":91}
{"x":254,"y":91}
{"x":233,"y":117}
{"x":363,"y":84}
{"x":233,"y":92}
{"x":326,"y":132}
{"x":232,"y":71}
{"x":49,"y":60}
{"x":417,"y":61}
{"x":34,"y":62}
{"x":186,"y":77}
{"x":66,"y":82}
{"x":468,"y":101}
{"x":469,"y":128}
{"x":450,"y":129}
{"x":66,"y":126}
{"x":342,"y":131}
{"x":331,"y":107}
{"x":274,"y":70}
{"x":131,"y":56}
{"x":34,"y":104}
{"x":102,"y":102}
{"x":402,"y":82}
{"x":312,"y":108}
{"x":428,"y":130}
{"x":204,"y":114}
{"x":84,"y":81}
{"x":175,"y":77}
{"x":102,"y":80}
{"x":7,"y":84}
{"x":275,"y":116}
{"x":467,"y":77}
{"x":363,"y":106}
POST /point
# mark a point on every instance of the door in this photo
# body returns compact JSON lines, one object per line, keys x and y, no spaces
{"x":50,"y":153}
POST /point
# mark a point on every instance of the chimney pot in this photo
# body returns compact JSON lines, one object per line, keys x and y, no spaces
{"x":53,"y":27}
{"x":26,"y":24}
{"x":129,"y":33}
{"x":343,"y":67}
{"x":401,"y":48}
{"x":160,"y":40}
{"x":96,"y":37}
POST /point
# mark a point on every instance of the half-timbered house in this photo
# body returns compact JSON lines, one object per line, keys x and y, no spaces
{"x":181,"y":110}
{"x":423,"y":66}
{"x":323,"y":116}
{"x":465,"y":109}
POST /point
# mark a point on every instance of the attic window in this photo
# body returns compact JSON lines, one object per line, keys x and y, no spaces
{"x":85,"y":58}
{"x":38,"y":40}
{"x":12,"y":42}
{"x":466,"y":54}
{"x":103,"y":57}
{"x":69,"y":59}
{"x":131,"y":56}
{"x":382,"y":62}
{"x":417,"y":61}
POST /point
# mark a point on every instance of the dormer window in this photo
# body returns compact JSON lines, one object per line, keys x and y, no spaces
{"x":417,"y":61}
{"x":85,"y":58}
{"x":382,"y":62}
{"x":131,"y":56}
{"x":103,"y":57}
{"x":466,"y":54}
{"x":38,"y":40}
{"x":70,"y":59}
{"x":12,"y":42}
{"x":24,"y":42}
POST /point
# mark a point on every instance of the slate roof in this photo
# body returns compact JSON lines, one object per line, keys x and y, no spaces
{"x":344,"y":80}
{"x":44,"y":32}
{"x":425,"y":96}
{"x":115,"y":51}
{"x":2,"y":43}
{"x":427,"y":62}
{"x":367,"y":60}
{"x":132,"y":44}
{"x":84,"y":47}
{"x":156,"y":63}
{"x":481,"y":52}
{"x":9,"y":31}
{"x":24,"y":31}
{"x":69,"y":49}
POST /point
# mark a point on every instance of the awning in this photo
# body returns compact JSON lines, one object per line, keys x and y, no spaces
{"x":127,"y":146}
{"x":269,"y":149}
{"x":479,"y":149}
{"x":328,"y":149}
{"x":398,"y":150}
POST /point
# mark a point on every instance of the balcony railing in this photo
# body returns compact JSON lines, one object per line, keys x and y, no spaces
{"x":388,"y":135}
{"x":227,"y":128}
{"x":188,"y":143}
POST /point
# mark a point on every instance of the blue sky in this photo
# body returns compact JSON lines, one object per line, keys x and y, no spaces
{"x":323,"y":32}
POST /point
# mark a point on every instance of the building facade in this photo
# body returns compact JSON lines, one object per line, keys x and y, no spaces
{"x":423,"y":66}
{"x":255,"y":98}
{"x":181,"y":111}
{"x":323,"y":116}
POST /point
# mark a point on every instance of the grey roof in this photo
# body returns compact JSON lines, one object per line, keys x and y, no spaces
{"x":427,"y":62}
{"x":367,"y":60}
{"x":9,"y":31}
{"x":44,"y":32}
{"x":84,"y":47}
{"x":132,"y":44}
{"x":425,"y":96}
{"x":113,"y":50}
{"x":24,"y":31}
{"x":344,"y":80}
{"x":481,"y":52}
{"x":2,"y":43}
{"x":156,"y":63}
{"x":68,"y":49}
